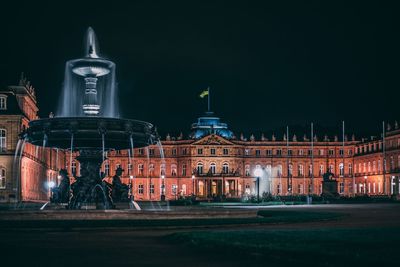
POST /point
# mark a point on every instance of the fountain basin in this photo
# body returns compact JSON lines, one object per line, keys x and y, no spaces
{"x":88,"y":132}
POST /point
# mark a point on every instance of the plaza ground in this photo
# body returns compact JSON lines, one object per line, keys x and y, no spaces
{"x":318,"y":235}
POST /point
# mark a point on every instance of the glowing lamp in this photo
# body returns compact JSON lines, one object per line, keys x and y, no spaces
{"x":258,"y":172}
{"x":51,"y":184}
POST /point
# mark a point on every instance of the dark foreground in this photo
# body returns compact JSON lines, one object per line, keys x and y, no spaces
{"x":341,"y":235}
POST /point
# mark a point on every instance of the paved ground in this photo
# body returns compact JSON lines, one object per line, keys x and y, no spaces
{"x":148,"y":247}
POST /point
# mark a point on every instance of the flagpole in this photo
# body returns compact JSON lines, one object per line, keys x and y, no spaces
{"x":312,"y":158}
{"x":208,"y":99}
{"x":343,"y":159}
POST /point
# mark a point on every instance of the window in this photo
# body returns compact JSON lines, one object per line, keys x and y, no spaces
{"x":341,"y":152}
{"x":151,"y":188}
{"x":3,"y":140}
{"x":184,"y":151}
{"x":331,"y":168}
{"x":247,"y":170}
{"x":173,"y":170}
{"x":2,"y":178}
{"x":183,"y":189}
{"x":212,"y":151}
{"x":73,"y":168}
{"x":350,"y":152}
{"x":310,"y":172}
{"x":279,"y":152}
{"x":184,"y":170}
{"x":301,"y":152}
{"x":226,"y":151}
{"x":374,"y":166}
{"x":278,"y":188}
{"x":130,"y":168}
{"x":269,"y":152}
{"x":258,"y":152}
{"x":174,"y":188}
{"x":301,"y":170}
{"x":300,"y":189}
{"x":369,"y":166}
{"x":141,"y":151}
{"x":151,"y":169}
{"x":365,"y":167}
{"x":279,"y":171}
{"x":290,"y":170}
{"x":162,"y":169}
{"x":310,"y":152}
{"x":350,"y":169}
{"x":212,"y":168}
{"x":321,"y":152}
{"x":247,"y":189}
{"x":379,"y":166}
{"x":268,"y":169}
{"x":341,"y":169}
{"x":321,"y":170}
{"x":106,"y":168}
{"x":3,"y":102}
{"x":174,"y":152}
{"x":247,"y":152}
{"x":151,"y":151}
{"x":200,"y":151}
{"x":140,"y":169}
{"x":118,"y":165}
{"x":290,"y":152}
{"x":141,"y":189}
{"x":225,"y":168}
{"x":199,"y":168}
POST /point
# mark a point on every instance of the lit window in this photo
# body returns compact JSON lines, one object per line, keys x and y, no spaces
{"x":301,"y":170}
{"x":151,"y":169}
{"x":321,"y":170}
{"x":162,"y":169}
{"x":341,"y":169}
{"x":3,"y":140}
{"x":173,"y":170}
{"x":2,"y":178}
{"x":140,"y":169}
{"x":301,"y":152}
{"x":3,"y":102}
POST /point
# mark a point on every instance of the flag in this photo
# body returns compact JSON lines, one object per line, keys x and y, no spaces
{"x":204,"y":93}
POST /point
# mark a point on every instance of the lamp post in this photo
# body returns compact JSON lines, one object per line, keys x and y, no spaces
{"x":131,"y":187}
{"x":193,"y":186}
{"x":163,"y":187}
{"x":258,"y":173}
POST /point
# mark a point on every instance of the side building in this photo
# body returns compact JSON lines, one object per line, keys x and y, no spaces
{"x":24,"y":169}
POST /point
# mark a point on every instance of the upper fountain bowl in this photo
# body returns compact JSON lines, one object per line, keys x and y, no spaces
{"x":91,"y":67}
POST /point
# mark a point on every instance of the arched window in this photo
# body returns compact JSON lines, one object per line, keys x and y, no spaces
{"x":369,"y":166}
{"x":173,"y":170}
{"x":199,"y":168}
{"x":212,"y":168}
{"x":162,"y":169}
{"x":3,"y":139}
{"x":341,"y":169}
{"x":279,"y":171}
{"x":225,"y":168}
{"x":247,"y":170}
{"x":2,"y":178}
{"x":290,"y":170}
{"x":321,"y":170}
{"x":268,"y":170}
{"x":183,"y":169}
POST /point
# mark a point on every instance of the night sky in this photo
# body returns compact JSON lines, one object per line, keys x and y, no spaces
{"x":268,"y":65}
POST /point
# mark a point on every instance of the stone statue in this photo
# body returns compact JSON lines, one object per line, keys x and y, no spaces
{"x":120,"y":191}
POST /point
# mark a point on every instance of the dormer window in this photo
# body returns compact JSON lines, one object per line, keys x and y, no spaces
{"x":3,"y":102}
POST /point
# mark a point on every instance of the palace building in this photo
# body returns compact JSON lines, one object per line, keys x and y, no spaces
{"x":210,"y":163}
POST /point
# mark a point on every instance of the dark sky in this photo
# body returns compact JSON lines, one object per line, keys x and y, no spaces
{"x":268,"y":64}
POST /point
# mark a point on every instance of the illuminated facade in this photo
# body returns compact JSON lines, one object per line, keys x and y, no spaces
{"x":210,"y":163}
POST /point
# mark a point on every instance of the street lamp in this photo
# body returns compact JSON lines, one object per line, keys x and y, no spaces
{"x":131,"y":187}
{"x":193,"y":188}
{"x":162,"y":187}
{"x":258,"y":173}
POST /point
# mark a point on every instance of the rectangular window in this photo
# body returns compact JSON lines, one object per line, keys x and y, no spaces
{"x":341,"y":188}
{"x":269,"y":152}
{"x":141,"y":189}
{"x":226,"y":151}
{"x":321,"y":152}
{"x":258,"y":152}
{"x":309,"y":152}
{"x":350,"y":152}
{"x":174,"y":152}
{"x":301,"y":152}
{"x":2,"y":178}
{"x":200,"y":151}
{"x":279,"y":152}
{"x":151,"y":151}
{"x":3,"y":140}
{"x":151,"y":188}
{"x":141,"y":151}
{"x":184,"y":170}
{"x":290,"y":152}
{"x":3,"y":102}
{"x":184,"y":151}
{"x":341,"y":152}
{"x":331,"y":152}
{"x":212,"y":151}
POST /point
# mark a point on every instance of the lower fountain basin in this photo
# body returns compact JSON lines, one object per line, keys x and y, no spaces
{"x":87,"y":132}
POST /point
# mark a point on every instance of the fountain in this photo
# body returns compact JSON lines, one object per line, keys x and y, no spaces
{"x":88,"y":123}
